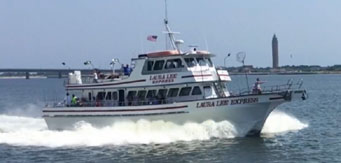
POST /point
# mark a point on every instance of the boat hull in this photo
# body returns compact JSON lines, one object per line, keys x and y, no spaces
{"x":244,"y":112}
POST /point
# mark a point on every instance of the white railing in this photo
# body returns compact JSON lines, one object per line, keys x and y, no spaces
{"x":290,"y":85}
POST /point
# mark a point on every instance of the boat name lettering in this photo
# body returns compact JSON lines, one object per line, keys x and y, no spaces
{"x":162,"y":78}
{"x":212,"y":103}
{"x":227,"y":102}
{"x":244,"y":101}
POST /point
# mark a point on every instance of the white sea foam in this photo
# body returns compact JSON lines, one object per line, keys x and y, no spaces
{"x":280,"y":122}
{"x":33,"y":131}
{"x":15,"y":123}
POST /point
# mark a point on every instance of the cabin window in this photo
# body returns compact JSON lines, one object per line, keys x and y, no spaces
{"x":173,"y":63}
{"x":162,"y":93}
{"x":141,"y":95}
{"x":185,"y":91}
{"x":159,"y":64}
{"x":173,"y":92}
{"x":208,"y":60}
{"x":108,"y":96}
{"x":114,"y":96}
{"x":209,"y":93}
{"x":100,"y":96}
{"x":150,"y":65}
{"x":131,"y":94}
{"x":190,"y":62}
{"x":196,"y":90}
{"x":201,"y":61}
{"x":151,"y":93}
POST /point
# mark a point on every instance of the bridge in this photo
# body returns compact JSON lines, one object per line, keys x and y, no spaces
{"x":50,"y":73}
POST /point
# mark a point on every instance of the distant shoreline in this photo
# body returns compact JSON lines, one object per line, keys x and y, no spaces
{"x":231,"y":73}
{"x":23,"y":77}
{"x":287,"y":73}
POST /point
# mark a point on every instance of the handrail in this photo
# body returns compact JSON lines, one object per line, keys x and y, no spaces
{"x":109,"y":103}
{"x":290,"y":85}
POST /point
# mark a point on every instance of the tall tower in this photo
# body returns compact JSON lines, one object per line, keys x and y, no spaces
{"x":274,"y":52}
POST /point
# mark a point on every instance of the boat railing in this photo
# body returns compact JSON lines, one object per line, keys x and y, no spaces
{"x":107,"y":103}
{"x":290,"y":85}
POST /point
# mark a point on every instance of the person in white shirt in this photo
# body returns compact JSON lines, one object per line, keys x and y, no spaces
{"x":257,"y":88}
{"x":67,"y":100}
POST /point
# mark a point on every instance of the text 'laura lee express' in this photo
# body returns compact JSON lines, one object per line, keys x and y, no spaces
{"x":227,"y":102}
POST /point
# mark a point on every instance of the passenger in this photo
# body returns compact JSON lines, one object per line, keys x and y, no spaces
{"x":130,"y":100}
{"x":257,"y":88}
{"x":156,"y":100}
{"x":67,"y":99}
{"x":127,"y":70}
{"x":172,"y":65}
{"x":74,"y":100}
{"x":161,"y":99}
{"x":150,"y":100}
{"x":135,"y":100}
{"x":98,"y":102}
{"x":95,"y":76}
{"x":82,"y":101}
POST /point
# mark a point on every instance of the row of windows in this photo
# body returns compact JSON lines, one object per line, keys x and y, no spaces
{"x":144,"y":94}
{"x":105,"y":95}
{"x":177,"y":63}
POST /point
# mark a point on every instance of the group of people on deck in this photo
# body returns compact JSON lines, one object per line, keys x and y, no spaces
{"x":71,"y":100}
{"x":126,"y":70}
{"x":159,"y":99}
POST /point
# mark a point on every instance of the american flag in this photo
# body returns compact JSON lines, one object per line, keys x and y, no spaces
{"x":152,"y":38}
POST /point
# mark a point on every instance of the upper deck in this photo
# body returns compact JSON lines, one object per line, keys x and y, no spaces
{"x":163,"y":68}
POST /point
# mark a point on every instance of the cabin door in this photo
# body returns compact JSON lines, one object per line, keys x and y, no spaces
{"x":121,"y":97}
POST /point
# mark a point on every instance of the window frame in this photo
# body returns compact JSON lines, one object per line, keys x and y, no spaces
{"x":152,"y":65}
{"x":114,"y":95}
{"x":190,"y":61}
{"x":171,"y":92}
{"x":161,"y":66}
{"x":196,"y":88}
{"x":181,"y":93}
{"x":152,"y":95}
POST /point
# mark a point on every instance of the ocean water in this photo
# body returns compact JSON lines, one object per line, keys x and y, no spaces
{"x":300,"y":131}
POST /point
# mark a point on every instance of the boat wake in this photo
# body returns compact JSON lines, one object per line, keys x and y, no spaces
{"x":281,"y":122}
{"x":28,"y":131}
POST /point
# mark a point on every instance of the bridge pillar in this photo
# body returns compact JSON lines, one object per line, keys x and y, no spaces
{"x":27,"y":75}
{"x":59,"y":74}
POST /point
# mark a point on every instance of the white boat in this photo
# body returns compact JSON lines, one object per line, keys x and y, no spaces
{"x":169,"y":85}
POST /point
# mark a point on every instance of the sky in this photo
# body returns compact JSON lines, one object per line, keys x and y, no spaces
{"x":43,"y":34}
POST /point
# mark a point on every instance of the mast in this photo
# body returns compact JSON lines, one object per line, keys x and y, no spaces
{"x":169,"y":32}
{"x":166,"y":22}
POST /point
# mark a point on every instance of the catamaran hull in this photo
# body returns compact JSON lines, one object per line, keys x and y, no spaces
{"x":246,"y":112}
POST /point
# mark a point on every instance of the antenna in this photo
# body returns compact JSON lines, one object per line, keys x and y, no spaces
{"x":241,"y":58}
{"x":166,"y":22}
{"x":166,"y":11}
{"x":112,"y":64}
{"x":206,"y":44}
